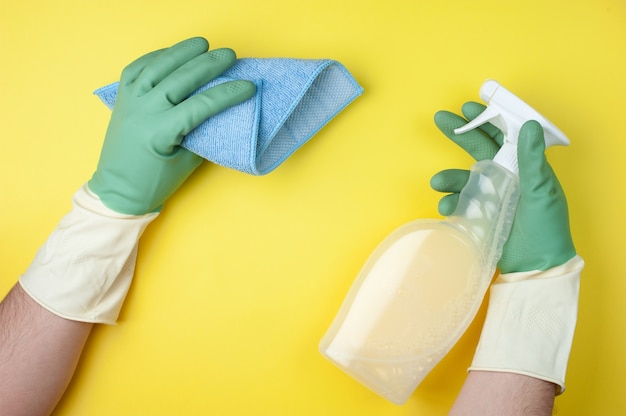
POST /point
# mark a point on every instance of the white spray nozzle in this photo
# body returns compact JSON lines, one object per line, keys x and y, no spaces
{"x":508,"y":113}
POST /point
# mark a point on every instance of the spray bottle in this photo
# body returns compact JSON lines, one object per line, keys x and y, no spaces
{"x":423,"y":285}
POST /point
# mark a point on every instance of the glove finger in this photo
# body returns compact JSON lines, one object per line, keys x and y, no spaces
{"x":542,"y":213}
{"x":447,"y":204}
{"x":186,"y":116}
{"x":132,"y":70}
{"x":450,"y":180}
{"x":474,"y":142}
{"x":534,"y":170}
{"x":194,"y":74}
{"x":471,"y":110}
{"x":167,"y":62}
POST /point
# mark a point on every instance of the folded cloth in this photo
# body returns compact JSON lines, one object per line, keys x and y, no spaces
{"x":295,"y":99}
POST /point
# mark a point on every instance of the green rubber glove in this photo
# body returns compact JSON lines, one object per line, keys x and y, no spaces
{"x":540,"y":237}
{"x":141,"y":163}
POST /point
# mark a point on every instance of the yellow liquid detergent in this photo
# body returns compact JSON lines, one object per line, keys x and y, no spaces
{"x":415,"y":290}
{"x":421,"y":288}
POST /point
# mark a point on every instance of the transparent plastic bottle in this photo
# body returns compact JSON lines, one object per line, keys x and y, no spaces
{"x":423,"y":285}
{"x":421,"y":288}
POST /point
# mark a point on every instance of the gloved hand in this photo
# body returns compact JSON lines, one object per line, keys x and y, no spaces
{"x":540,"y":237}
{"x":141,"y":163}
{"x":86,"y":266}
{"x":533,"y":304}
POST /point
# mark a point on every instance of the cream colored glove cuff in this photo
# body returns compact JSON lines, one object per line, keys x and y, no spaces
{"x":530,"y":323}
{"x":85,"y":268}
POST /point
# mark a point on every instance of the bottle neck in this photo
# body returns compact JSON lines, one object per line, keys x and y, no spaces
{"x":486,"y":208}
{"x":507,"y":157}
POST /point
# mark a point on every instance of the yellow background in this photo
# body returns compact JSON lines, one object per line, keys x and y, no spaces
{"x":240,"y":276}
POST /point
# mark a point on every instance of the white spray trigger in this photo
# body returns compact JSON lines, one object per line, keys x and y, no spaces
{"x":508,"y":113}
{"x":491,"y":114}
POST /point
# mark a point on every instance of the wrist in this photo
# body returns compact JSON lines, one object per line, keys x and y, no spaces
{"x":84,"y":269}
{"x":530,"y":323}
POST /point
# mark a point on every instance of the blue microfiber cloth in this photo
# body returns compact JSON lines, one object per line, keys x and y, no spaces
{"x":295,"y":99}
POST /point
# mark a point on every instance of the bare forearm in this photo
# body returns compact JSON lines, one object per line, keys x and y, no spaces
{"x":38,"y":355}
{"x":494,"y":393}
{"x":79,"y":277}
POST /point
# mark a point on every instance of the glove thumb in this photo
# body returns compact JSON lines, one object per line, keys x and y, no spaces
{"x":542,"y":219}
{"x":534,"y":170}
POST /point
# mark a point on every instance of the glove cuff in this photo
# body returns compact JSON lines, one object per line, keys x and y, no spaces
{"x":530,"y":323}
{"x":84,"y":269}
